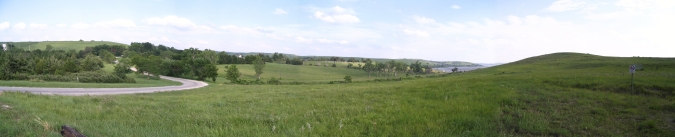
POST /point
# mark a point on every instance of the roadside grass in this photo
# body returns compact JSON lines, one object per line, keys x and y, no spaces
{"x":562,"y":94}
{"x":140,"y":82}
{"x":63,"y":45}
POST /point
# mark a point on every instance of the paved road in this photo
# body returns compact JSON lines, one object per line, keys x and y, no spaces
{"x":187,"y":84}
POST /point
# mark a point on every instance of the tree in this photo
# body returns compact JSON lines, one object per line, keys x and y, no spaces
{"x":122,"y":68}
{"x":454,"y":69}
{"x":380,"y":68}
{"x":49,"y":47}
{"x":211,"y":55}
{"x":232,"y":73}
{"x":106,"y":56}
{"x":258,"y":65}
{"x":368,"y":67}
{"x":91,"y":63}
{"x":209,"y":71}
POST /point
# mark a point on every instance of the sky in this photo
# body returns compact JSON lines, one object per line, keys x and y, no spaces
{"x":485,"y":31}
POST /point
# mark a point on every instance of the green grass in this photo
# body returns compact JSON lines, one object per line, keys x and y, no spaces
{"x":62,"y":45}
{"x":563,"y":94}
{"x":300,"y":73}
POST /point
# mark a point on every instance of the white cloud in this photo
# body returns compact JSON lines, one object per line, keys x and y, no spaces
{"x":80,"y":26}
{"x":20,"y":25}
{"x":61,"y":25}
{"x":4,"y":25}
{"x":245,"y":30}
{"x":203,"y":42}
{"x":338,"y":15}
{"x":322,"y":41}
{"x":119,"y":23}
{"x":423,"y":20}
{"x":455,"y":7}
{"x":38,"y":26}
{"x":171,"y":21}
{"x":565,"y":5}
{"x":416,"y":33}
{"x":279,"y":11}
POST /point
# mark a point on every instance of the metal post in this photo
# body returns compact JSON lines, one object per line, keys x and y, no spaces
{"x":631,"y":82}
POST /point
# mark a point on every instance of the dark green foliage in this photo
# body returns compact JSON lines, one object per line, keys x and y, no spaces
{"x":348,"y":79}
{"x":232,"y":73}
{"x":333,"y":65}
{"x":91,"y":63}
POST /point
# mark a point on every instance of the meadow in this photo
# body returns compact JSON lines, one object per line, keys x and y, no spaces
{"x":561,"y":94}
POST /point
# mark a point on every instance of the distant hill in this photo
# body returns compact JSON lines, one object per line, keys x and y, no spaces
{"x":61,"y":45}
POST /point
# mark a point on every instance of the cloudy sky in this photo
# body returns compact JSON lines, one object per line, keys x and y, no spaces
{"x":487,"y":31}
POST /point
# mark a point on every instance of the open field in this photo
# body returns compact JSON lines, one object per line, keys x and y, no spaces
{"x":63,"y":45}
{"x":562,"y":94}
{"x":300,"y":73}
{"x":140,"y":82}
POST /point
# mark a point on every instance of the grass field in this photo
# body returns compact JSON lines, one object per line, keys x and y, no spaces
{"x":62,"y":45}
{"x":301,"y":73}
{"x":562,"y":94}
{"x":140,"y":82}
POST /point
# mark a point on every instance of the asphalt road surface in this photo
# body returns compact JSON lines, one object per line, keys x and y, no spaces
{"x":187,"y":84}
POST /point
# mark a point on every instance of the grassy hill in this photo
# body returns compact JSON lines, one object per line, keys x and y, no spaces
{"x":561,"y":94}
{"x":62,"y":45}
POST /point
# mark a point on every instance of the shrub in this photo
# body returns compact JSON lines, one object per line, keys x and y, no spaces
{"x":348,"y":79}
{"x":274,"y":81}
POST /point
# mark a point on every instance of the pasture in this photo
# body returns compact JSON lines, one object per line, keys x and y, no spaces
{"x":560,"y":94}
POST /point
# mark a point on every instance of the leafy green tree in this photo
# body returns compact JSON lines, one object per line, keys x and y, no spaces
{"x":91,"y":63}
{"x":49,"y":47}
{"x":379,"y":67}
{"x":232,"y":73}
{"x":107,"y":56}
{"x":368,"y":67}
{"x":210,"y":55}
{"x":258,"y":65}
{"x":209,"y":71}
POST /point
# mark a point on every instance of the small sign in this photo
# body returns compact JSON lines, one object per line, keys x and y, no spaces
{"x":632,"y":69}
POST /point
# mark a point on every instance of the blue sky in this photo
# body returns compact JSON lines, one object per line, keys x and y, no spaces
{"x":490,"y":31}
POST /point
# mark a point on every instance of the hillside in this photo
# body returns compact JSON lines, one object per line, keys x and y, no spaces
{"x":560,"y":94}
{"x":62,"y":45}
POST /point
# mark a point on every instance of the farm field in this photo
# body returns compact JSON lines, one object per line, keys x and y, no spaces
{"x":560,"y":94}
{"x":63,"y":45}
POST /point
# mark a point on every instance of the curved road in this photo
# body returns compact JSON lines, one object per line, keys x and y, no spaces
{"x":187,"y":84}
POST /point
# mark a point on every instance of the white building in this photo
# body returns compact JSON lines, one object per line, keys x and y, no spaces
{"x":4,"y":47}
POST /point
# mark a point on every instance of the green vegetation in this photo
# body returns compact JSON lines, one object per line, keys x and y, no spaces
{"x":140,"y":82}
{"x":61,"y":45}
{"x":562,"y":94}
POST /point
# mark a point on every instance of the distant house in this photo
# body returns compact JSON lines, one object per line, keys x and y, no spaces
{"x":4,"y":46}
{"x":239,"y":56}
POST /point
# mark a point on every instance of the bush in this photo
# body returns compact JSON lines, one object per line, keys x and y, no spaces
{"x":274,"y":81}
{"x":333,"y":65}
{"x":348,"y":79}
